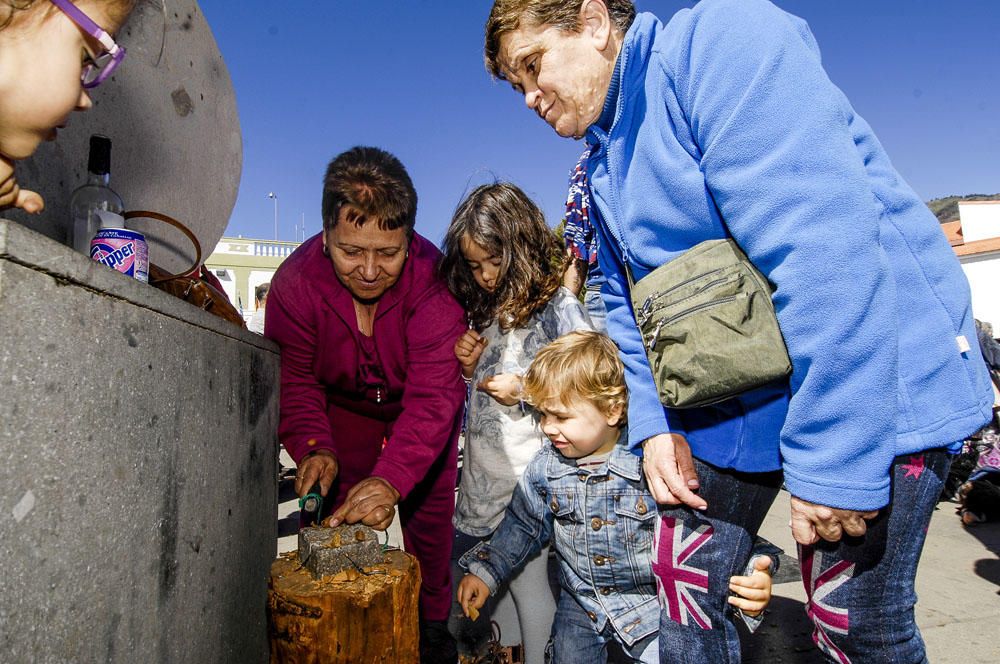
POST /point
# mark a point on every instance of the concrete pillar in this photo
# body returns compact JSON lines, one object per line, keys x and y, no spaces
{"x":137,"y":468}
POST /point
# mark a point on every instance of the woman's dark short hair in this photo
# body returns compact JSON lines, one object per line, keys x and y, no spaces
{"x":374,"y":184}
{"x":509,"y":15}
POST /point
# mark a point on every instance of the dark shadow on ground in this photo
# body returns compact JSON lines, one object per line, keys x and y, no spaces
{"x":788,"y":570}
{"x":286,"y":492}
{"x":286,"y":489}
{"x":785,"y":636}
{"x":989,"y":535}
{"x":289,"y":525}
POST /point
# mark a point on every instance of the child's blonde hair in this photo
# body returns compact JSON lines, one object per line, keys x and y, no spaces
{"x":583,"y":365}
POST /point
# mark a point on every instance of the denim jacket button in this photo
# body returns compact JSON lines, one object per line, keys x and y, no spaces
{"x":592,"y":616}
{"x":583,"y":477}
{"x":599,"y":560}
{"x":482,"y":555}
{"x":554,"y":505}
{"x":606,"y":590}
{"x":640,"y":506}
{"x":596,"y":523}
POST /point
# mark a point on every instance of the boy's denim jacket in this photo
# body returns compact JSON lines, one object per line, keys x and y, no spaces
{"x":603,"y":520}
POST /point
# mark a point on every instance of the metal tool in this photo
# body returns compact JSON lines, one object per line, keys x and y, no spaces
{"x":310,"y":506}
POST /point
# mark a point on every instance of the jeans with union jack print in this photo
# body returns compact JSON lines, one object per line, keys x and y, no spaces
{"x":695,"y":554}
{"x":860,"y":591}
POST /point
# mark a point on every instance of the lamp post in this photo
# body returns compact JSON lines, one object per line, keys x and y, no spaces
{"x":274,"y":196}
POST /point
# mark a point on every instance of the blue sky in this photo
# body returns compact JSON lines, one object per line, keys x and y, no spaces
{"x":315,"y":77}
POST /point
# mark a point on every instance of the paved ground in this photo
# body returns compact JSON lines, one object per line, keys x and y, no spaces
{"x":958,"y":584}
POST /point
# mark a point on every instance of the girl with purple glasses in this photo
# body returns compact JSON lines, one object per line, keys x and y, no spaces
{"x":51,"y":53}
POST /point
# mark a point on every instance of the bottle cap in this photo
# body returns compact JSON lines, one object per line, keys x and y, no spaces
{"x":99,"y":162}
{"x":110,"y":219}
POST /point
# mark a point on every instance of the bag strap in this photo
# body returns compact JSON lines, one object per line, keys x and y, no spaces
{"x":134,"y":214}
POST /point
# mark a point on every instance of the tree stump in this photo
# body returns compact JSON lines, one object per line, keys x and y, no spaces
{"x":349,"y":618}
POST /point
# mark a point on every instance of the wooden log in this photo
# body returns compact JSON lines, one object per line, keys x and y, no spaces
{"x":348,"y":618}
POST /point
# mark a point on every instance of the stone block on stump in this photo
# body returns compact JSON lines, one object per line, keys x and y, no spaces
{"x":326,"y":551}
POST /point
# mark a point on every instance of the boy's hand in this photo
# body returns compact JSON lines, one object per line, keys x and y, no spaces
{"x":504,"y":388}
{"x":11,"y":194}
{"x":468,"y":348}
{"x":755,"y":590}
{"x":472,"y":594}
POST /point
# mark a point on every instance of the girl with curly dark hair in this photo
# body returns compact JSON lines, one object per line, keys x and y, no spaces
{"x":505,"y":266}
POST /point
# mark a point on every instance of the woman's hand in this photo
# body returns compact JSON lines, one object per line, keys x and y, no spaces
{"x":810,"y":522}
{"x":11,"y":194}
{"x":468,"y":348}
{"x":472,"y":594}
{"x":504,"y":388}
{"x":372,"y":501}
{"x":670,"y":471}
{"x":319,"y":466}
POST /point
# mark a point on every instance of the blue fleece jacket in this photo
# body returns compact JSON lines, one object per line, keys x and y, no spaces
{"x":723,"y":123}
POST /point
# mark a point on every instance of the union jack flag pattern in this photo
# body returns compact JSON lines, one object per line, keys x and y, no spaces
{"x":819,"y":585}
{"x":676,"y":578}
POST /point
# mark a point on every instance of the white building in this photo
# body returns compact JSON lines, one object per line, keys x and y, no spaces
{"x":242,"y":264}
{"x":975,"y":236}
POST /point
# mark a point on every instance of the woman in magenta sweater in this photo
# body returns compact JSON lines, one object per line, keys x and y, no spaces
{"x":371,"y":392}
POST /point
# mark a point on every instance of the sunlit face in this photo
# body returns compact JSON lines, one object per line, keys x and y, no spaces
{"x":563,"y":76}
{"x":578,"y":428}
{"x":42,"y":54}
{"x":485,"y":266}
{"x":367,"y":259}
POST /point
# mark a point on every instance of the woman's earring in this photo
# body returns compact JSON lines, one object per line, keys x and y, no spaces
{"x":326,"y":250}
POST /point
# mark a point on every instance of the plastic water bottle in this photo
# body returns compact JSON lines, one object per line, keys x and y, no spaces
{"x":94,"y":195}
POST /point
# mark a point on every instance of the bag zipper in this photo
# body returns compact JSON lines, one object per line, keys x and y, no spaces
{"x":655,"y":336}
{"x":647,"y":306}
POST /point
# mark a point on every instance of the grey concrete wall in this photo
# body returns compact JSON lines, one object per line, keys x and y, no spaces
{"x":137,"y":468}
{"x":170,"y":111}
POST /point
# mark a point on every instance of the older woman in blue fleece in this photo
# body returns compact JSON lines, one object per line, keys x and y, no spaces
{"x":722,"y":123}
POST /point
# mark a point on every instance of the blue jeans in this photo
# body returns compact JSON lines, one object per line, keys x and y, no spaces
{"x":860,"y":590}
{"x":576,"y":638}
{"x":596,"y":308}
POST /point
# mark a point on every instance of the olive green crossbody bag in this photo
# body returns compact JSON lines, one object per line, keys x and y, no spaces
{"x":708,"y":326}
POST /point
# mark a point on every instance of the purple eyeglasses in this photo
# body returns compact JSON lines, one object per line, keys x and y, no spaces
{"x":104,"y":64}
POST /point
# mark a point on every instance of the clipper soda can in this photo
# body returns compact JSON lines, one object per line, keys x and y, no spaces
{"x":123,"y":250}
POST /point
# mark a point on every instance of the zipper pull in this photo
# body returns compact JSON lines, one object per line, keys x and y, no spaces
{"x":655,"y":336}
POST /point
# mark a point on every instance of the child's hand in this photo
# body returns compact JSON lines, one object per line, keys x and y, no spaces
{"x":504,"y":388}
{"x":11,"y":194}
{"x":472,"y":594}
{"x":755,"y":590}
{"x":468,"y":348}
